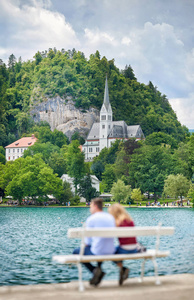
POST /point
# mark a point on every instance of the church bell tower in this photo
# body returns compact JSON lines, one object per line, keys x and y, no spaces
{"x":105,"y":119}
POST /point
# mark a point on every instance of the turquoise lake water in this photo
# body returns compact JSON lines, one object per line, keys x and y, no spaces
{"x":29,"y":237}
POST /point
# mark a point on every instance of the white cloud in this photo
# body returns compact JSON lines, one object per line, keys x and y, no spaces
{"x":97,"y":37}
{"x":184,"y":109}
{"x":125,"y":41}
{"x":103,"y":41}
{"x":37,"y":28}
{"x":156,"y":53}
{"x":190,"y":67}
{"x":156,"y":39}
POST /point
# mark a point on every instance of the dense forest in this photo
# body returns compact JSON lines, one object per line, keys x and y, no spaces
{"x":163,"y":163}
{"x":70,"y":74}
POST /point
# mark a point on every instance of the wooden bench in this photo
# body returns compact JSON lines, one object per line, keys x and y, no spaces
{"x":116,"y":232}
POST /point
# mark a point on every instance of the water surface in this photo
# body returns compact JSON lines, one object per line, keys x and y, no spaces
{"x":29,"y":237}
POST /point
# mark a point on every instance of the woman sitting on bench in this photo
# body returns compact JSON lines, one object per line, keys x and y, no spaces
{"x":127,"y":245}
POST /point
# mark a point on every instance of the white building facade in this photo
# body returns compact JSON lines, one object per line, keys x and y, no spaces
{"x":107,"y":131}
{"x":16,"y":149}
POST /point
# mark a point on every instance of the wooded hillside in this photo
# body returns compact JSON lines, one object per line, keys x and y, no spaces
{"x":70,"y":74}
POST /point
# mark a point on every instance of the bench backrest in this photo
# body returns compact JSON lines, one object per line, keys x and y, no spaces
{"x":83,"y":232}
{"x":119,"y":231}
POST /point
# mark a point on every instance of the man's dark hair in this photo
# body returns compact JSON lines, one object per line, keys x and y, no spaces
{"x":98,"y":202}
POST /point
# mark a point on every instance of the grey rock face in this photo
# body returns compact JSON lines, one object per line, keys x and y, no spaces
{"x":64,"y":116}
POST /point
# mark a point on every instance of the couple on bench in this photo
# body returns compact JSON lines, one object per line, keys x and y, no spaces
{"x":117,"y":216}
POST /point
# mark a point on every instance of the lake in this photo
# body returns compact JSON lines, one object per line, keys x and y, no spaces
{"x":30,"y":236}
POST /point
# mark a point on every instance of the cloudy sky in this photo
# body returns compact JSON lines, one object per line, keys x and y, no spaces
{"x":156,"y":37}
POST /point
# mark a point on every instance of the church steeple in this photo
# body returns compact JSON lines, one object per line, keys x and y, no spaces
{"x":105,"y":119}
{"x":106,"y":95}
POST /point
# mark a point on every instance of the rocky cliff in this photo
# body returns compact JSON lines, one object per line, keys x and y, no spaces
{"x":64,"y":116}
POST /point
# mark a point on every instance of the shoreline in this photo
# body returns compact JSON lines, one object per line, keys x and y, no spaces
{"x":126,"y":206}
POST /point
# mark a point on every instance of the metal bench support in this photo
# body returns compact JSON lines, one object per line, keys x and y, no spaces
{"x":81,"y":285}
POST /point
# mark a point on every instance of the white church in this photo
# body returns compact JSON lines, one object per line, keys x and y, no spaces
{"x":107,"y":131}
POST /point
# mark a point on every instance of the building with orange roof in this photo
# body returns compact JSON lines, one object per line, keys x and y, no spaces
{"x":16,"y":149}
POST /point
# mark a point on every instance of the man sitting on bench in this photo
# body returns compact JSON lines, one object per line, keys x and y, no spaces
{"x":98,"y":245}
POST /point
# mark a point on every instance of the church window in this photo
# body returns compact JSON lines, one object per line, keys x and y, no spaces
{"x":109,"y":118}
{"x":103,"y":126}
{"x":103,"y":117}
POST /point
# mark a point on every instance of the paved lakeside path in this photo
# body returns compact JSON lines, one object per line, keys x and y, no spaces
{"x":173,"y":287}
{"x":126,"y":206}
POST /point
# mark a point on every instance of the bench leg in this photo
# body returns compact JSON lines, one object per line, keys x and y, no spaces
{"x":156,"y":271}
{"x":142,"y":271}
{"x":81,"y":286}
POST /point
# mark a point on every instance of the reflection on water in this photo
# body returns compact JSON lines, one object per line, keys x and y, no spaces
{"x":30,"y":236}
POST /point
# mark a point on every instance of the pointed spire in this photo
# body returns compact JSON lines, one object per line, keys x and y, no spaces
{"x":106,"y":94}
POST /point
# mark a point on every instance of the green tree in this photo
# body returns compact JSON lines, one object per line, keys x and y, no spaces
{"x":58,"y":163}
{"x":191,"y":152}
{"x":159,"y":138}
{"x":149,"y":167}
{"x":108,"y":177}
{"x":2,"y":179}
{"x":23,"y":122}
{"x":11,"y":61}
{"x":75,"y":163}
{"x":97,"y":169}
{"x":77,"y":136}
{"x":2,"y":155}
{"x":129,"y":73}
{"x":181,"y":160}
{"x":121,"y":167}
{"x":49,"y":183}
{"x":120,"y":191}
{"x":86,"y":190}
{"x":191,"y":193}
{"x":30,"y":177}
{"x":38,"y":58}
{"x":66,"y":194}
{"x":136,"y":195}
{"x":127,"y":148}
{"x":176,"y":185}
{"x":46,"y":150}
{"x":58,"y":138}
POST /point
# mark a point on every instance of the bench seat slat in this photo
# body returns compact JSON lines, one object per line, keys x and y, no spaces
{"x":119,"y":232}
{"x":149,"y":254}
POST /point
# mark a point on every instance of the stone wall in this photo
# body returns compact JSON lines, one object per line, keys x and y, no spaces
{"x":64,"y":116}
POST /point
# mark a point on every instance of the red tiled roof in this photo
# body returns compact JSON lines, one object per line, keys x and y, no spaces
{"x":23,"y":142}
